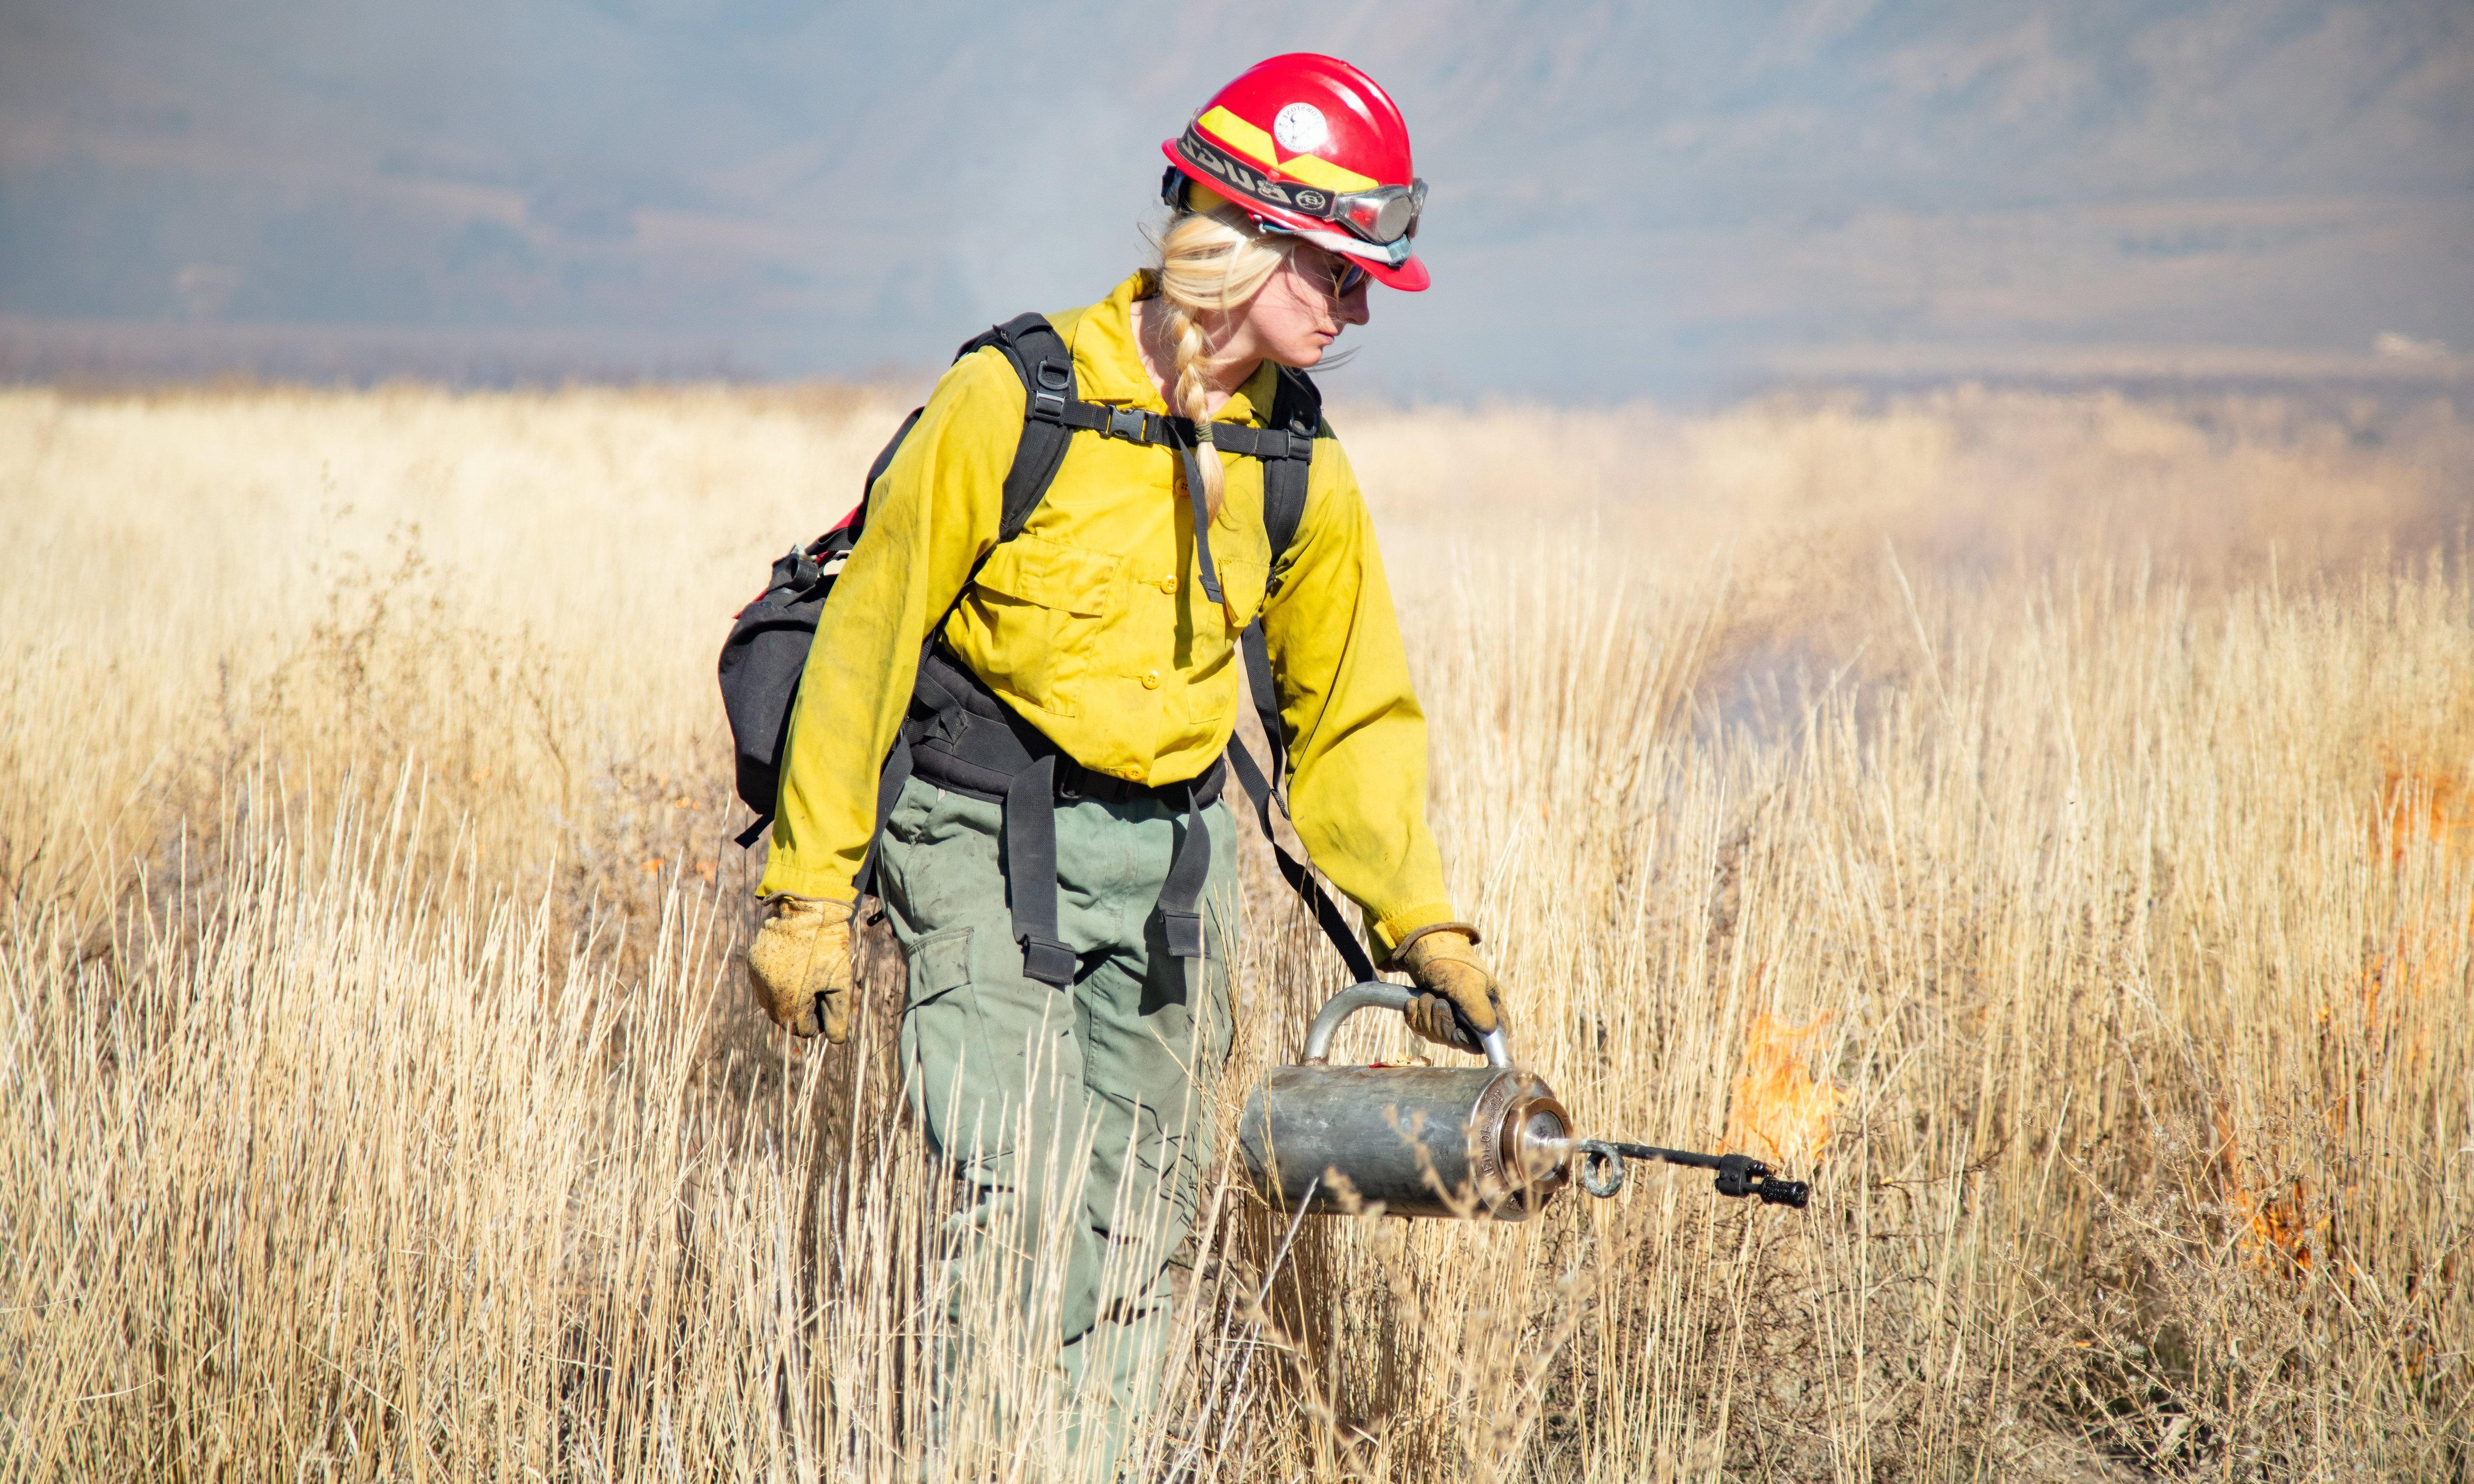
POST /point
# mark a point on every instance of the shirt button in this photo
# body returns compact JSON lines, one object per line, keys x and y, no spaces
{"x":1151,"y":679}
{"x":1168,"y":584}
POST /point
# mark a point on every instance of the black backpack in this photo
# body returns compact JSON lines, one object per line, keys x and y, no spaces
{"x":767,"y":652}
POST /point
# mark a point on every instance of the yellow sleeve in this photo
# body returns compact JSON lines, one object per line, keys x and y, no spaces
{"x":1357,"y":787}
{"x":932,"y":515}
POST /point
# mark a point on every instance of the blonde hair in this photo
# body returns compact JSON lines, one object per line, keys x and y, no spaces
{"x":1212,"y":260}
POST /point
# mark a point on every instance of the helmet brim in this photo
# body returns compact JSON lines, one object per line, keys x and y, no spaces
{"x":1409,"y":276}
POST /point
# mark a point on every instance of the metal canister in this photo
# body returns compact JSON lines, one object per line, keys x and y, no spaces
{"x":1488,"y":1142}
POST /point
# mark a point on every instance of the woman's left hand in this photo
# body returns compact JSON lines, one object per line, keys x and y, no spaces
{"x":1461,"y":1000}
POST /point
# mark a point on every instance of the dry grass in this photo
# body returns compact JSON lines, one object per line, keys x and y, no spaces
{"x":2086,"y":779}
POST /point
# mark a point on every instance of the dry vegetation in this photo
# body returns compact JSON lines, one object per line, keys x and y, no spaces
{"x":2041,"y":819}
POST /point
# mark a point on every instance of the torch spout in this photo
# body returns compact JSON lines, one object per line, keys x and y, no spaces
{"x":1739,"y":1175}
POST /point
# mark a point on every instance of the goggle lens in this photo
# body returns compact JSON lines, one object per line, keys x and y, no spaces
{"x":1385,"y":215}
{"x":1394,"y":220}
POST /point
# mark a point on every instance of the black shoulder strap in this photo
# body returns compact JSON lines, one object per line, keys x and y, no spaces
{"x":1045,"y":367}
{"x":1038,"y":355}
{"x":884,"y":461}
{"x":1297,"y":407}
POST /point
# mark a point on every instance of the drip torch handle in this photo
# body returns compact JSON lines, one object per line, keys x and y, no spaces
{"x":1381,"y":994}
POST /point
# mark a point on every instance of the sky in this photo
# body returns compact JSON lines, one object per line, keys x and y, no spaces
{"x":1627,"y":199}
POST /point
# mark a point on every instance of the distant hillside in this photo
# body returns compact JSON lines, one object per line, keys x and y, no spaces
{"x":1627,"y":197}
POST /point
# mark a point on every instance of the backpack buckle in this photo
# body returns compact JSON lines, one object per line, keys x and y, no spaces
{"x":1047,"y":396}
{"x":1130,"y":424}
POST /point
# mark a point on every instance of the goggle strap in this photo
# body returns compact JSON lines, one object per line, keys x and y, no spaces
{"x":1239,"y":179}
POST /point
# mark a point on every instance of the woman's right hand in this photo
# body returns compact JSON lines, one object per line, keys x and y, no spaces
{"x":800,"y":966}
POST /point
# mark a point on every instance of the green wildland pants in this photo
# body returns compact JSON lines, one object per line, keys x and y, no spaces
{"x":1079,"y":1120}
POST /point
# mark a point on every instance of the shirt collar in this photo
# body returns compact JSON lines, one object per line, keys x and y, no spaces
{"x":1107,"y":368}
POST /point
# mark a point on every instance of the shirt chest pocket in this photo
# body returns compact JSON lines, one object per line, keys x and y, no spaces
{"x":1243,"y":581}
{"x":1215,"y":677}
{"x":1039,"y":606}
{"x":1051,"y":575}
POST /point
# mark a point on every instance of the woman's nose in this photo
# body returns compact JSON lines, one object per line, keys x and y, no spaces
{"x":1354,"y":308}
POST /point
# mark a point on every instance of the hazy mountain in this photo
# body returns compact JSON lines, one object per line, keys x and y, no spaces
{"x":1626,"y":197}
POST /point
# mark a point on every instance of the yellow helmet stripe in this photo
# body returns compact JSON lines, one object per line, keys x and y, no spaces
{"x":1242,"y":137}
{"x":1256,"y":144}
{"x":1315,"y":170}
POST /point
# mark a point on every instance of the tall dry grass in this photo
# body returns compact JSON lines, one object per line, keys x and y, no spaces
{"x":2083,"y":776}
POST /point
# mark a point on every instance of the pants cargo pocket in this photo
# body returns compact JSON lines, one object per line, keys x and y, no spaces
{"x":938,"y":966}
{"x":988,"y":1052}
{"x":947,"y":1052}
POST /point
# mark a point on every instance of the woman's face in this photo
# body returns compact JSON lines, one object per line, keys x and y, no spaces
{"x":1297,"y":316}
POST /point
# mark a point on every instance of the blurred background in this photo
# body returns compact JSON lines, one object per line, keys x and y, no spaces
{"x":1679,"y":201}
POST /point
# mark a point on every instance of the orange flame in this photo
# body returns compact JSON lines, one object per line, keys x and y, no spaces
{"x":2422,"y":813}
{"x":2420,"y":810}
{"x":2268,"y":1227}
{"x":2271,"y":1225}
{"x":1778,"y":1112}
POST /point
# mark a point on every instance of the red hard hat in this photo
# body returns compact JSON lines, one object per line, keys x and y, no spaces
{"x":1309,"y":145}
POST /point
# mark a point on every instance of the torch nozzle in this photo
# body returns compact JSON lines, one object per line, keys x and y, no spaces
{"x":1739,"y":1175}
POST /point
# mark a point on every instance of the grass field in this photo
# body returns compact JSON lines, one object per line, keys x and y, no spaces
{"x":2041,"y":820}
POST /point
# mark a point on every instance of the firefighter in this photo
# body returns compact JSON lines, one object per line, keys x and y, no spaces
{"x":1064,"y":1066}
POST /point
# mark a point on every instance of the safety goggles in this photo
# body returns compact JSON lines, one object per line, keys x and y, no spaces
{"x":1386,"y":216}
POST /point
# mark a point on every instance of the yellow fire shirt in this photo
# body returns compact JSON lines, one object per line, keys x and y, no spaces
{"x":1093,"y":626}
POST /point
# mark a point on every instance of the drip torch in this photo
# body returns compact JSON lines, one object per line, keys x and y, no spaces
{"x":1489,"y":1142}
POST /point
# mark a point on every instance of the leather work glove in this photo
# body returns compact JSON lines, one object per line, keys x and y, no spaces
{"x":1442,"y":962}
{"x":800,"y":966}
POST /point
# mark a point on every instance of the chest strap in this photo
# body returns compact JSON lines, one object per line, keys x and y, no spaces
{"x":1057,"y":404}
{"x":1137,"y":426}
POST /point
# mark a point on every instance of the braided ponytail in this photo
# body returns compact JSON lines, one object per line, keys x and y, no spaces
{"x":1211,"y":260}
{"x":1189,"y":399}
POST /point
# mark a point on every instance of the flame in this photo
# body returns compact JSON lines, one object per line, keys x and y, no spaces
{"x":1778,"y":1112}
{"x":2272,"y":1225}
{"x":2269,"y":1227}
{"x":2420,"y":810}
